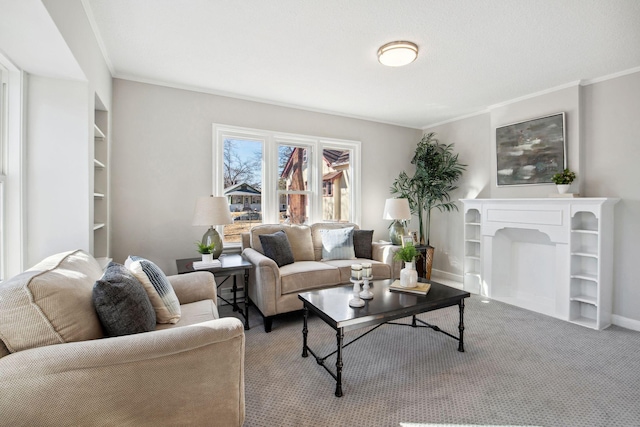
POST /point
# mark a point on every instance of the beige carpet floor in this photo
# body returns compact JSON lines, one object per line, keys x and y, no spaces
{"x":520,"y":369}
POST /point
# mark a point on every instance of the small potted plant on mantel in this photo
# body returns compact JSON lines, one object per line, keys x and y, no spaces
{"x":408,"y":275}
{"x":563,"y":180}
{"x":206,"y":251}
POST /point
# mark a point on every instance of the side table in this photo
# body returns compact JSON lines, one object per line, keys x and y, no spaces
{"x":231,"y":266}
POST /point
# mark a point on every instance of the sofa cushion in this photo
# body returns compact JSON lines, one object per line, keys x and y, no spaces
{"x":300,"y":240}
{"x":50,"y":303}
{"x":122,"y":304}
{"x":337,"y":244}
{"x":276,"y":246}
{"x":193,"y":313}
{"x":159,"y":289}
{"x":304,"y":275}
{"x":362,"y":240}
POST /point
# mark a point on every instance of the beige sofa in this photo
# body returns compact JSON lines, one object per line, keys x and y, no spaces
{"x":274,"y":290}
{"x":56,"y":369}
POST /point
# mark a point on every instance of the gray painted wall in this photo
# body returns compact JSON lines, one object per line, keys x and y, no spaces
{"x":161,"y":161}
{"x":602,"y":137}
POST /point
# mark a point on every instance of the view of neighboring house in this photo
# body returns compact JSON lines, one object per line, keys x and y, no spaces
{"x":243,"y":197}
{"x":294,"y":181}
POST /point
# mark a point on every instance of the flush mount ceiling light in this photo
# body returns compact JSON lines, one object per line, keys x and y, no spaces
{"x":397,"y":54}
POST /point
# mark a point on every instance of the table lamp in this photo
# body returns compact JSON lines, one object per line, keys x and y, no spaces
{"x":212,"y":211}
{"x":398,"y":211}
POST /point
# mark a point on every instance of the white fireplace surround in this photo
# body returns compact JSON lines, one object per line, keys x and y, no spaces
{"x":552,"y":256}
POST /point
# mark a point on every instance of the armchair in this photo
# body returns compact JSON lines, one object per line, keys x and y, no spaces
{"x":188,"y":373}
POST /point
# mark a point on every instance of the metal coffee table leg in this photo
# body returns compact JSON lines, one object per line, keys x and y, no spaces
{"x":339,"y":337}
{"x":461,"y":326}
{"x":304,"y":333}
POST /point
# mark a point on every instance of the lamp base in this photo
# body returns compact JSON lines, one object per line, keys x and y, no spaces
{"x":396,"y":231}
{"x":212,"y":236}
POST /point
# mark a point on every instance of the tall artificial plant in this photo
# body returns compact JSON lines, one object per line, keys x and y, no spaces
{"x":437,"y":170}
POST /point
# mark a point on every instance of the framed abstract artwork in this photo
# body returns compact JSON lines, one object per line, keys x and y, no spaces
{"x":531,"y":152}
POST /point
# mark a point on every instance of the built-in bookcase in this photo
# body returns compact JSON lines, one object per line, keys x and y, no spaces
{"x":589,"y":301}
{"x":101,"y":192}
{"x":553,"y":256}
{"x":472,"y":249}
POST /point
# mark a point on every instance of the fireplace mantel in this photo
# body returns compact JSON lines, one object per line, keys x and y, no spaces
{"x":553,"y":256}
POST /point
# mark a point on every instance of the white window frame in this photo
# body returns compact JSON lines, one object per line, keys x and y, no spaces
{"x":12,"y":156}
{"x":271,"y":140}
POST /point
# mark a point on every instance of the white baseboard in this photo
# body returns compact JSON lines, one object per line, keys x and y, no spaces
{"x":446,"y":275}
{"x":625,"y":322}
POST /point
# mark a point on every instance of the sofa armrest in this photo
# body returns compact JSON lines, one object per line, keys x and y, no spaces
{"x":264,"y":281}
{"x":384,"y":252}
{"x":186,"y":375}
{"x":193,"y":287}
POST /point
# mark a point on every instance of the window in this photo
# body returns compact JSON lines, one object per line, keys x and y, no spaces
{"x":3,"y":177}
{"x":295,"y":179}
{"x":12,"y":250}
{"x":242,"y":181}
{"x":327,"y":188}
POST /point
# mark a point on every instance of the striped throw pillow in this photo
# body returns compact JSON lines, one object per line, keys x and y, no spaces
{"x":163,"y":299}
{"x":337,"y":243}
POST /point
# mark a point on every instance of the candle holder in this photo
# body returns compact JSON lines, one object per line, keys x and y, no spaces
{"x":366,"y":293}
{"x":356,"y":301}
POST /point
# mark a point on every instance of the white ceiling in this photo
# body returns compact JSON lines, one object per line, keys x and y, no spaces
{"x":321,"y":54}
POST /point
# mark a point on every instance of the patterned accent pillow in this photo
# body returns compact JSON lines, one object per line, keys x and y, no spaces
{"x":160,"y":292}
{"x":362,"y":240}
{"x":337,"y":243}
{"x":277,"y":247}
{"x":122,"y":303}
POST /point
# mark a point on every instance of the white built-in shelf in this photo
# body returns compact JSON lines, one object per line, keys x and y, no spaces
{"x":579,"y":286}
{"x":585,"y":298}
{"x":585,"y":254}
{"x":585,"y":276}
{"x":98,"y":226}
{"x":98,"y":164}
{"x":585,"y":231}
{"x":98,"y":196}
{"x":585,"y":321}
{"x":97,"y":133}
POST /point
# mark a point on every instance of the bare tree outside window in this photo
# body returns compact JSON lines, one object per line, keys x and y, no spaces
{"x":242,"y":185}
{"x":293,"y":184}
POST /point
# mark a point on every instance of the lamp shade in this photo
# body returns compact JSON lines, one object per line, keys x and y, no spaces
{"x":212,"y":211}
{"x":396,"y":209}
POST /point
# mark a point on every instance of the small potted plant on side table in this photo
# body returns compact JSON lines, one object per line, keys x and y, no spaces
{"x":563,"y":180}
{"x":206,"y":251}
{"x":408,"y":275}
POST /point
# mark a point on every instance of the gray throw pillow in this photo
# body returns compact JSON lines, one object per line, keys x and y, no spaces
{"x":277,"y":247}
{"x":122,"y":304}
{"x":362,"y":240}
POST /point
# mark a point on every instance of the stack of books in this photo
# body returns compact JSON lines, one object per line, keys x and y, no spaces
{"x":419,"y":289}
{"x":202,"y":265}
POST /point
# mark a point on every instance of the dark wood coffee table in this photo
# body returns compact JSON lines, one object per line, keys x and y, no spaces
{"x":332,"y":306}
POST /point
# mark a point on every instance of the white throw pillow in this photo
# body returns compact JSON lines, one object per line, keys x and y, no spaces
{"x":337,"y":243}
{"x":163,"y":299}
